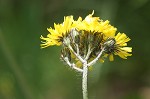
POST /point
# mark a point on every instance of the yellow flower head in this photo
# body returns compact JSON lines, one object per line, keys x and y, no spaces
{"x":56,"y":35}
{"x":117,"y":46}
{"x":90,"y":23}
{"x":91,"y":33}
{"x":95,"y":25}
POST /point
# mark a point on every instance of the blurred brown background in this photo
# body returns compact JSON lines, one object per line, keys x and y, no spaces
{"x":28,"y":72}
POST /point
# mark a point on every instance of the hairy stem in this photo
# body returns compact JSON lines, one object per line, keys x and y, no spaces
{"x":84,"y":81}
{"x":84,"y":70}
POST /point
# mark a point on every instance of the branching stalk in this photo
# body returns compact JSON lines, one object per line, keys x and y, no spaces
{"x":94,"y":61}
{"x":77,"y":55}
{"x":72,"y":65}
{"x":85,"y":65}
{"x":88,"y":53}
{"x":77,"y":49}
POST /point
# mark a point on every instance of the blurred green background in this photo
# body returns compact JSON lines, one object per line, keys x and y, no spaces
{"x":28,"y":72}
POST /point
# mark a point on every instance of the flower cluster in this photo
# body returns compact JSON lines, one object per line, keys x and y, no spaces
{"x":84,"y":39}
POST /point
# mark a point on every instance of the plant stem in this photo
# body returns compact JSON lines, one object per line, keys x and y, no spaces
{"x":99,"y":55}
{"x":72,"y":65}
{"x":84,"y":81}
{"x":76,"y":54}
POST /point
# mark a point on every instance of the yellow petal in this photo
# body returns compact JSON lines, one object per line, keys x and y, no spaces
{"x":101,"y":60}
{"x":122,"y":36}
{"x":111,"y":57}
{"x":79,"y":19}
{"x":105,"y":55}
{"x":127,"y":49}
{"x":122,"y":44}
{"x":123,"y":54}
{"x":72,"y":55}
{"x":118,"y":35}
{"x":121,"y":41}
{"x":90,"y":68}
{"x":79,"y":64}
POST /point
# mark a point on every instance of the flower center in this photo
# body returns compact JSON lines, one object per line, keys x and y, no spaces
{"x":109,"y":45}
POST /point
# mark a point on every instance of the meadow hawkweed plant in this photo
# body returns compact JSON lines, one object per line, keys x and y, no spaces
{"x":85,"y":41}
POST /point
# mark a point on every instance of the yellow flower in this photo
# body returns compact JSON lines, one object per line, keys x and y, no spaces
{"x":107,"y":29}
{"x":117,"y":46}
{"x":89,"y":25}
{"x":95,"y":25}
{"x":56,"y":35}
{"x":90,"y":32}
